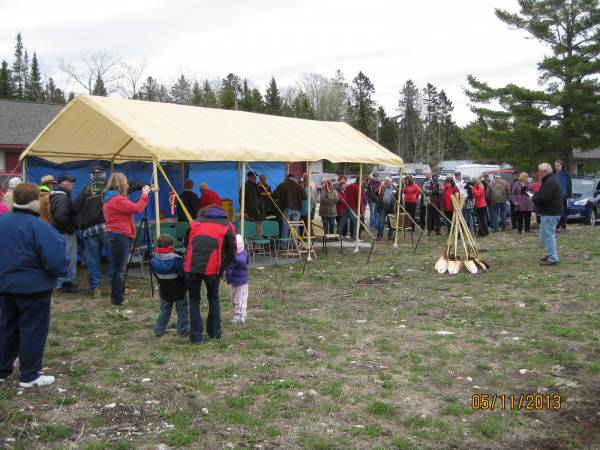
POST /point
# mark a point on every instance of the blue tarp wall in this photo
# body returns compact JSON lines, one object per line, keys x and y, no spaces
{"x":134,"y":171}
{"x":222,"y":177}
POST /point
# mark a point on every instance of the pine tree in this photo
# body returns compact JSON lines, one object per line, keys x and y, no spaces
{"x":273,"y":102}
{"x":208,"y":95}
{"x":565,"y":113}
{"x":361,"y":109}
{"x":99,"y":88}
{"x":149,"y":90}
{"x":411,"y":123}
{"x":251,"y":99}
{"x":53,"y":94}
{"x":25,"y":74}
{"x":302,"y":107}
{"x":229,"y":93}
{"x":388,"y":130}
{"x":257,"y":101}
{"x":18,"y":84}
{"x":197,"y":99}
{"x":34,"y":87}
{"x":5,"y":82}
{"x":181,"y":92}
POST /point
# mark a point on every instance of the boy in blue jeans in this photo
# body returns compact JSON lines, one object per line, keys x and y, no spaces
{"x":167,"y":266}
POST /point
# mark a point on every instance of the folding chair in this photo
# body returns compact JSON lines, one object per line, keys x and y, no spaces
{"x":404,"y":223}
{"x":319,"y":233}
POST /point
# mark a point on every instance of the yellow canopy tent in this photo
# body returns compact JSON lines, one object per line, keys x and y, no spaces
{"x":117,"y":129}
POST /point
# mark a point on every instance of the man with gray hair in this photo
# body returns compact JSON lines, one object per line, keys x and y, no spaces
{"x":549,"y":207}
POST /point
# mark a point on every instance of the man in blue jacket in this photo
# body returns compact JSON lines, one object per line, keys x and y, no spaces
{"x":33,"y":255}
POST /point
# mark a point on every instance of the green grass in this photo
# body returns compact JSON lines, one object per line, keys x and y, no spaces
{"x":404,"y":385}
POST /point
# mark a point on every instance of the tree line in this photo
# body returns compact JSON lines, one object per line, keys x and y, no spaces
{"x":513,"y":124}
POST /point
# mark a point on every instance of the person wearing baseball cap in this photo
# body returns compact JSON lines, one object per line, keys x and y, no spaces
{"x":90,"y":218}
{"x":63,"y":218}
{"x":47,"y":185}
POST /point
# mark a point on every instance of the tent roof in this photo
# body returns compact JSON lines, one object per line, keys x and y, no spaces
{"x":116,"y":129}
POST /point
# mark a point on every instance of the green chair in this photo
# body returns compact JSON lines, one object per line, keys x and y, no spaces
{"x":271,"y":232}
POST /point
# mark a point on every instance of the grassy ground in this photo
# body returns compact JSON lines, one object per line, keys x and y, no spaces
{"x":347,"y":356}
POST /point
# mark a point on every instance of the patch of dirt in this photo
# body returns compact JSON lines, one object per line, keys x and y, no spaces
{"x":380,"y":279}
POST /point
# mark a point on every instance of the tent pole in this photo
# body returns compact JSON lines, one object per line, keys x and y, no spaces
{"x":243,"y":201}
{"x":360,"y":176}
{"x":309,"y":219}
{"x":398,"y":207}
{"x":24,"y":169}
{"x":156,"y":203}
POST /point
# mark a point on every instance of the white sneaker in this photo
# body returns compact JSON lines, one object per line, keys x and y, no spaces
{"x":42,"y":380}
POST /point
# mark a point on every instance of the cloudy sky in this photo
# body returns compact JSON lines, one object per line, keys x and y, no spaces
{"x":437,"y":41}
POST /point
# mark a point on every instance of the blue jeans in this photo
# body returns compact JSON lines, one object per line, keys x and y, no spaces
{"x":183,"y":317}
{"x":548,"y":226}
{"x":289,"y":214}
{"x":468,"y":215}
{"x":328,"y":225}
{"x":374,"y":217}
{"x":118,"y":246}
{"x":213,"y":321}
{"x":349,"y":220}
{"x":71,"y":240}
{"x":498,"y":214}
{"x":93,"y":255}
{"x":24,"y":323}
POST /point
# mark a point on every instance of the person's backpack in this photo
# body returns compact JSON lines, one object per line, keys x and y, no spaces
{"x":45,"y":206}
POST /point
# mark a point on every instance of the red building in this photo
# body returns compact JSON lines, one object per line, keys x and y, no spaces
{"x":20,"y":123}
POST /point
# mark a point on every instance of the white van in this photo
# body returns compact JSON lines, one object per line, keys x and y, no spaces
{"x":475,"y":170}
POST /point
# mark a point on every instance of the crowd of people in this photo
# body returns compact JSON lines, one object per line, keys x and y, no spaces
{"x":39,"y":255}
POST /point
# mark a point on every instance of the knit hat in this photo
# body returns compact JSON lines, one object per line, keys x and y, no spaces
{"x":26,"y":196}
{"x":14,"y":182}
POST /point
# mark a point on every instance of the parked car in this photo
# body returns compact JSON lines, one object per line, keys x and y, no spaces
{"x":584,"y":204}
{"x":505,"y":174}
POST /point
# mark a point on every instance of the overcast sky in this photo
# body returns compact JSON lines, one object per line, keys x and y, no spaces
{"x":437,"y":41}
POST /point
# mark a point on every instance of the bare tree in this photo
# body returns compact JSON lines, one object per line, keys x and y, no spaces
{"x":92,"y":67}
{"x":131,"y":79}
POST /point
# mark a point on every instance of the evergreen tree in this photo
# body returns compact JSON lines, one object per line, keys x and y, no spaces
{"x":273,"y":102}
{"x":361,"y":111}
{"x":149,"y":90}
{"x":197,"y":99}
{"x":5,"y":81}
{"x":388,"y":130}
{"x":99,"y":88}
{"x":25,"y":74}
{"x":411,"y":123}
{"x":302,"y":107}
{"x":18,"y":84}
{"x":229,"y":93}
{"x":181,"y":92}
{"x":34,"y":87}
{"x":251,"y":99}
{"x":53,"y":94}
{"x":564,"y":114}
{"x":257,"y":101}
{"x":208,"y":96}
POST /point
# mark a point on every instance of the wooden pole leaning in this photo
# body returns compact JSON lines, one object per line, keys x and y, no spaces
{"x":243,"y":201}
{"x":360,"y":176}
{"x":156,"y":200}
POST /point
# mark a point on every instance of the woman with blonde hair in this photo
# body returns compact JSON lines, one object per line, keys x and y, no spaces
{"x":522,"y":202}
{"x":120,"y":228}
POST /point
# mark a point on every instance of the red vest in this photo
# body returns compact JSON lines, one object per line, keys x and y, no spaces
{"x":211,"y":246}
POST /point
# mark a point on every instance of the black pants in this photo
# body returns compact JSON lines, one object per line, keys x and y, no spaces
{"x":449,"y":215}
{"x":24,"y":323}
{"x":213,"y":321}
{"x":411,"y":209}
{"x":524,"y":218}
{"x":482,"y":228}
{"x":563,"y":218}
{"x":433,"y":220}
{"x":514,"y":216}
{"x":422,"y":215}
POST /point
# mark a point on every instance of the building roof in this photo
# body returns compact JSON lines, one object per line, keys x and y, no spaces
{"x":586,"y":155}
{"x":21,"y":122}
{"x":117,"y":129}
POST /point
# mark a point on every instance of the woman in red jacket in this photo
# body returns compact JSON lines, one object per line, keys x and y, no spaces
{"x":120,"y":228}
{"x":478,"y":192}
{"x":412,"y":192}
{"x":450,"y":190}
